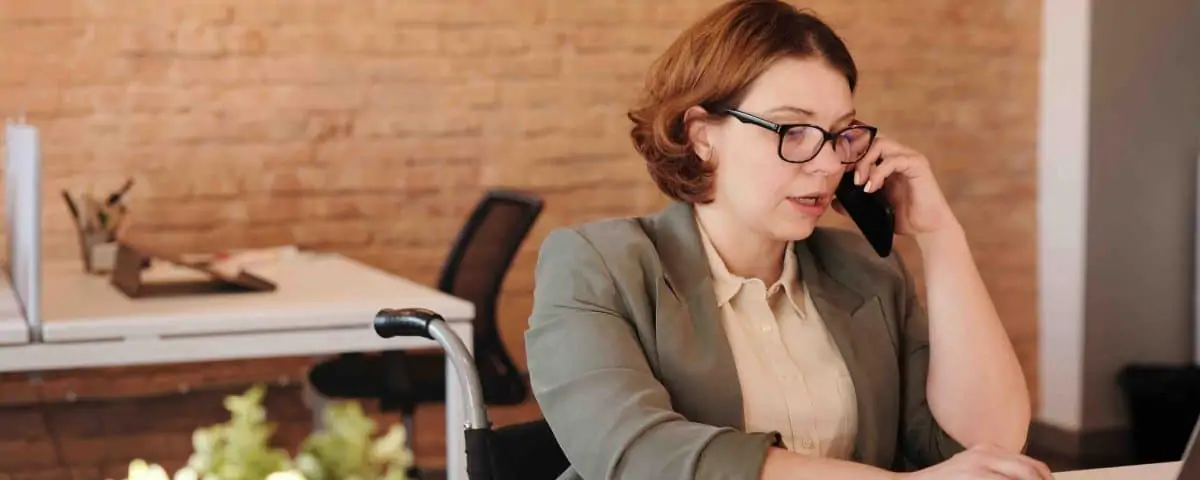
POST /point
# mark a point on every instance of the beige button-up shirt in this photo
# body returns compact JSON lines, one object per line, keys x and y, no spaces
{"x":792,"y":375}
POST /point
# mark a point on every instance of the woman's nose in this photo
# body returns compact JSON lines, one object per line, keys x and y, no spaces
{"x":827,"y":162}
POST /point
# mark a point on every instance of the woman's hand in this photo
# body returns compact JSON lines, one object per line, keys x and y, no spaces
{"x":907,"y":181}
{"x":985,"y":462}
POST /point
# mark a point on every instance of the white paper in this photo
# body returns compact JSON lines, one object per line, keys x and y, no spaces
{"x":23,"y":206}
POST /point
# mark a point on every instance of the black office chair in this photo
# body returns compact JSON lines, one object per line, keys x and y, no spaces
{"x":474,"y":271}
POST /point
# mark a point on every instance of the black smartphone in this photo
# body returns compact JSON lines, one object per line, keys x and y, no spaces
{"x":870,"y":211}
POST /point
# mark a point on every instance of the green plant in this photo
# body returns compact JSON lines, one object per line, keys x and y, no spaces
{"x":239,"y":449}
{"x":345,"y":450}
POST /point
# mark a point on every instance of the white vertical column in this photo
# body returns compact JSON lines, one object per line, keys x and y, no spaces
{"x":1062,"y":208}
{"x":23,"y":205}
{"x":1196,"y":269}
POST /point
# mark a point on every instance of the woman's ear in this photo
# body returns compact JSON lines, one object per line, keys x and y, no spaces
{"x":699,"y":131}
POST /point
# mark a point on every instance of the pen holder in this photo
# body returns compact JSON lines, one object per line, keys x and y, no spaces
{"x":99,"y":252}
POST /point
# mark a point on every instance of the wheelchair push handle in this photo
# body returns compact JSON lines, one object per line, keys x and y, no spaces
{"x":405,"y":322}
{"x":420,"y":322}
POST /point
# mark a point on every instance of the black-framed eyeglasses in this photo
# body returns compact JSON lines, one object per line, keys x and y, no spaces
{"x":801,"y":142}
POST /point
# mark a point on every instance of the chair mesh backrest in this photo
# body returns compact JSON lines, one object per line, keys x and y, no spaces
{"x":485,"y":249}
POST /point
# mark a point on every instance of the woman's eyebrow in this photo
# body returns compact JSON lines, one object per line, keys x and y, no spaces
{"x":791,"y":109}
{"x":809,"y":113}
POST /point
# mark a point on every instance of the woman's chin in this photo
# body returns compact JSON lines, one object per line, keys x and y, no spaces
{"x":794,"y":229}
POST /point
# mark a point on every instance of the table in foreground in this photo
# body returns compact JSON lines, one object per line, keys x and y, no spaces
{"x":324,"y":304}
{"x":1153,"y":471}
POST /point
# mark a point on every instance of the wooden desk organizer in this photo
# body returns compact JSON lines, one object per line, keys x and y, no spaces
{"x":127,"y":277}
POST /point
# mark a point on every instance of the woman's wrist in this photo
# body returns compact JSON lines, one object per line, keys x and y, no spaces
{"x":950,"y":235}
{"x":781,"y":464}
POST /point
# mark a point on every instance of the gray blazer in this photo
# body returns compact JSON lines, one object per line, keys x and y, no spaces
{"x":633,"y":371}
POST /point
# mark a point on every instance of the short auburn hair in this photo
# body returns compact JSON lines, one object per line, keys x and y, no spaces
{"x":711,"y":64}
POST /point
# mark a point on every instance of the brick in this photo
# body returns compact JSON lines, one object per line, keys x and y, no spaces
{"x":520,"y":67}
{"x":432,"y":232}
{"x":467,"y":12}
{"x":22,"y":422}
{"x":149,"y":11}
{"x":214,"y":239}
{"x":501,"y":41}
{"x":624,"y":66}
{"x":171,"y":414}
{"x":333,"y":205}
{"x":409,"y":69}
{"x":212,"y":155}
{"x":182,"y":182}
{"x":256,"y":70}
{"x":323,"y":178}
{"x":417,"y":98}
{"x":32,"y":39}
{"x":595,"y":13}
{"x":51,"y":473}
{"x":159,"y":380}
{"x":591,"y":39}
{"x":324,"y":234}
{"x":301,"y":12}
{"x":17,"y":389}
{"x":289,"y":97}
{"x":20,"y":454}
{"x":156,"y":446}
{"x":388,"y":124}
{"x":397,"y":152}
{"x":168,"y":215}
{"x":150,"y":98}
{"x":31,"y":99}
{"x":189,"y":128}
{"x":369,"y":39}
{"x":35,"y":11}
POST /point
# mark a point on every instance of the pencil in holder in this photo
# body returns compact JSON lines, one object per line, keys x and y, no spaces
{"x":99,"y":225}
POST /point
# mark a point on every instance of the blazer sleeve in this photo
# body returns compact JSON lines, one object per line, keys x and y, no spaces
{"x":923,"y":442}
{"x":611,"y":416}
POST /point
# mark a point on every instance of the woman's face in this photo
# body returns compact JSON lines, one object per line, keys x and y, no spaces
{"x":753,"y":185}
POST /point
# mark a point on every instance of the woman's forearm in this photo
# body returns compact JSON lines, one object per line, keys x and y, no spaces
{"x":784,"y":465}
{"x":976,"y":389}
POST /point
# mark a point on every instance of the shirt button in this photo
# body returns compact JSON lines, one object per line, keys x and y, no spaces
{"x":807,"y":443}
{"x":767,"y":328}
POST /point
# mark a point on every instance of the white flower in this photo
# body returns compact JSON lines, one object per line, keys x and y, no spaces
{"x":140,"y":470}
{"x":286,"y":475}
{"x":186,"y":473}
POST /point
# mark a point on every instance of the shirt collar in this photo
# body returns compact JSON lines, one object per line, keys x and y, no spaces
{"x":727,"y":285}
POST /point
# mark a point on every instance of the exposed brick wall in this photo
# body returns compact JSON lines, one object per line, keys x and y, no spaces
{"x":370,"y":128}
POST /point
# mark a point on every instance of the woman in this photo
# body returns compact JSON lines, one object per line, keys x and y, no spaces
{"x":728,"y":336}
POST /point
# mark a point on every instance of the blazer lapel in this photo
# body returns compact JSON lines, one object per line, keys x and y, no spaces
{"x":841,"y":308}
{"x":686,"y":271}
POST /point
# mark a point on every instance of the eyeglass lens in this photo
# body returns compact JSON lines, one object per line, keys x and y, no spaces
{"x":802,"y":143}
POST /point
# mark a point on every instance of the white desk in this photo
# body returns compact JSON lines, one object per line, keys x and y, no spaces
{"x":323,"y":305}
{"x":1154,"y":471}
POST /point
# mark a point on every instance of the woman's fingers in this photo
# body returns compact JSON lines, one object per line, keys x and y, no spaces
{"x":880,"y":173}
{"x":862,"y":169}
{"x":1012,"y":465}
{"x":1017,"y":469}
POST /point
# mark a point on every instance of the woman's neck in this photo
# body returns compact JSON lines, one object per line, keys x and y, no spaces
{"x":746,"y":253}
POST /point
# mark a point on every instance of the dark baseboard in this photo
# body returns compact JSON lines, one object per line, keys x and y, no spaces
{"x":431,"y":475}
{"x":1080,"y":449}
